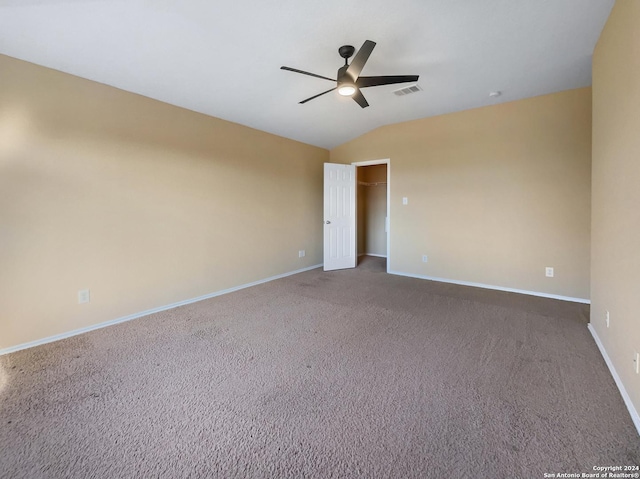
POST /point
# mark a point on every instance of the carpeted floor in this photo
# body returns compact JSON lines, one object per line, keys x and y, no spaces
{"x":353,"y":373}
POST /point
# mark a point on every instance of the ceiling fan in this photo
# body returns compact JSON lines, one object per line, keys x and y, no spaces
{"x":349,"y":81}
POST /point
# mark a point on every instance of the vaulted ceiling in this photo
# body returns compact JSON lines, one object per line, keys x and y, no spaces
{"x":223,"y":58}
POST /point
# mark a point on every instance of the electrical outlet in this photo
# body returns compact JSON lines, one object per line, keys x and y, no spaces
{"x":424,"y":258}
{"x":548,"y":271}
{"x":607,"y":318}
{"x":636,"y":361}
{"x":84,"y":296}
{"x":405,"y":200}
{"x":301,"y":253}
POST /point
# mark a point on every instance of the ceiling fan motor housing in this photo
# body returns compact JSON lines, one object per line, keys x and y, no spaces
{"x":343,"y":76}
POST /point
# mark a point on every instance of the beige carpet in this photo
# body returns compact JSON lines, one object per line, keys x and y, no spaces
{"x":347,"y":374}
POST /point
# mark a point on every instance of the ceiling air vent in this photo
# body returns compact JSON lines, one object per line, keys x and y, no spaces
{"x":408,"y":90}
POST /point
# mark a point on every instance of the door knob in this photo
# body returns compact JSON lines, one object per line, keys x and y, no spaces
{"x":328,"y":222}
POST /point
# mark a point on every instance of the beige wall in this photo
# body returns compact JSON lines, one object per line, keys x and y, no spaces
{"x":495,"y":194}
{"x":615,"y":255}
{"x":374,"y":208}
{"x":144,"y":203}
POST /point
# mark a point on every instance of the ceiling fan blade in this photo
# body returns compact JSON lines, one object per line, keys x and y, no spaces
{"x":360,"y":99}
{"x":306,"y":73}
{"x":360,"y":59}
{"x":316,"y":96}
{"x":364,"y":82}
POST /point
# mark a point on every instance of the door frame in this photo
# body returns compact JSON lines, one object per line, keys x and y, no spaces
{"x":385,"y":161}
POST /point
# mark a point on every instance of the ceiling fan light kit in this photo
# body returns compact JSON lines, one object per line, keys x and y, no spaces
{"x":348,"y":80}
{"x":347,"y":89}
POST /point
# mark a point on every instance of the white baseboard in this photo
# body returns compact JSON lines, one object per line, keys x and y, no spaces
{"x":129,"y":317}
{"x":498,"y":288}
{"x":625,"y":396}
{"x":376,"y":255}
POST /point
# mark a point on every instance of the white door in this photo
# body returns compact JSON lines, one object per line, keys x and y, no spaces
{"x":339,"y":216}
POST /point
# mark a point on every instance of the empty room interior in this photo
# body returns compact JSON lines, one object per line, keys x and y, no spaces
{"x":213,"y":265}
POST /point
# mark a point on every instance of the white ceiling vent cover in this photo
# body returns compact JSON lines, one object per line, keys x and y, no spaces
{"x":407,"y":90}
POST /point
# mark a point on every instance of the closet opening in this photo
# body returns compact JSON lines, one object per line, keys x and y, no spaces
{"x":372,"y":215}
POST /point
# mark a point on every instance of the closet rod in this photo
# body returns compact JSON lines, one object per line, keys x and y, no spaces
{"x":363,"y":183}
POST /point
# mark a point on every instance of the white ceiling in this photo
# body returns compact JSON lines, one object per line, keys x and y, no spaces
{"x":222,"y":58}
